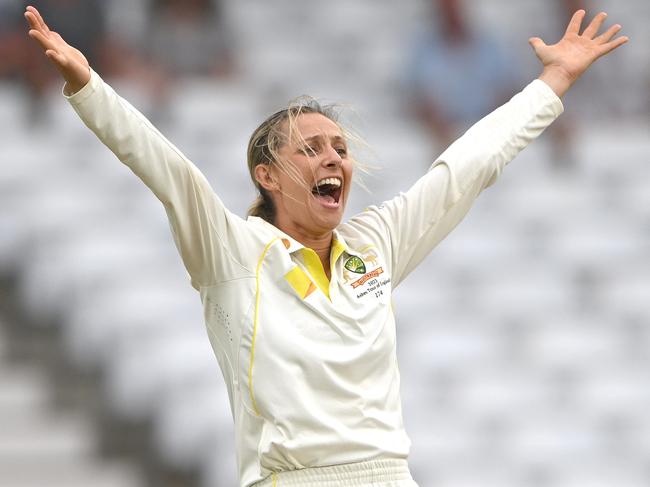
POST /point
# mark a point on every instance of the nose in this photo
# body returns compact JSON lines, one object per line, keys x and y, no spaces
{"x":332,"y":158}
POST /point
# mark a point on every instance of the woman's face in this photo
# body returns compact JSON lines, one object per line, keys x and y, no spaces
{"x":313,"y":203}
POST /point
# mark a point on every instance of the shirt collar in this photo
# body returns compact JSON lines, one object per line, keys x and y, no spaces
{"x":339,"y":246}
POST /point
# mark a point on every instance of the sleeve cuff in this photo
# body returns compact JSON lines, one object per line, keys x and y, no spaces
{"x":88,"y":89}
{"x":548,"y":94}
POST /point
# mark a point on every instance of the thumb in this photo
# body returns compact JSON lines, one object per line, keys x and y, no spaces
{"x":536,"y":43}
{"x":56,"y":57}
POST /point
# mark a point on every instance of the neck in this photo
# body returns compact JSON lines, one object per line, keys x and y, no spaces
{"x":321,"y":243}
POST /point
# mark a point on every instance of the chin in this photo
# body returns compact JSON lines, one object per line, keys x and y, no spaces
{"x":327,"y":224}
{"x":327,"y":218}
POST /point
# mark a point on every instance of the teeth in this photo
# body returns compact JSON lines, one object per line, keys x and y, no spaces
{"x":333,"y":181}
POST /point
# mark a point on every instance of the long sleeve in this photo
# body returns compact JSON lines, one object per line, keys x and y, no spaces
{"x":410,"y":225}
{"x":203,"y":229}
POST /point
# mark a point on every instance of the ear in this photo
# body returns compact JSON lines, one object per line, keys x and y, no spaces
{"x":266,"y":178}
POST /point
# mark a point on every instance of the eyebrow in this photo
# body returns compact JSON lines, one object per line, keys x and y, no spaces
{"x":335,"y":138}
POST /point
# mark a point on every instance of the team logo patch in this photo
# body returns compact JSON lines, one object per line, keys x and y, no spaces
{"x":356,"y":265}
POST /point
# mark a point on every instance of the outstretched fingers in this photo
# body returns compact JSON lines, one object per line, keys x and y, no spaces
{"x":33,"y":21}
{"x":608,"y":34}
{"x":610,"y":46}
{"x":39,"y":18}
{"x":39,"y":31}
{"x":70,"y":62}
{"x":595,"y":25}
{"x":575,"y":22}
{"x":45,"y":42}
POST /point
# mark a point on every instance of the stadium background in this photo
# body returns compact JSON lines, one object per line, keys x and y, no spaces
{"x":523,"y":341}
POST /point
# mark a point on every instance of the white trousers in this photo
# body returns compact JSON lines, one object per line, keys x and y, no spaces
{"x":388,"y":472}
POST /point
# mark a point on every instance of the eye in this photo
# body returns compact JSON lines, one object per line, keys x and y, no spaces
{"x":308,"y":151}
{"x":342,"y":151}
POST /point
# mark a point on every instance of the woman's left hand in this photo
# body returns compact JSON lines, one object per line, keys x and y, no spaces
{"x":565,"y":61}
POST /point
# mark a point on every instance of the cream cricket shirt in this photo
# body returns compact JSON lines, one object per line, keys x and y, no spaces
{"x":310,"y":365}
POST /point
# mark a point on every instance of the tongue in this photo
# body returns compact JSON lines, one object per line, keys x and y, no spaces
{"x":327,"y":198}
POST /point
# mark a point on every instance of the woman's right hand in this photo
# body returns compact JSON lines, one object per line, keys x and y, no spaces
{"x":72,"y":65}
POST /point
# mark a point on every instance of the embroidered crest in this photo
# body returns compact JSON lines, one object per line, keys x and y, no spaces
{"x":356,"y":265}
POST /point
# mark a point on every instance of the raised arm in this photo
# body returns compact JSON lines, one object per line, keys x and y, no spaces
{"x":414,"y":222}
{"x":202,"y":228}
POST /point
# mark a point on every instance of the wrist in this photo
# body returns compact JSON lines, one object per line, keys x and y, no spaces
{"x":76,"y":82}
{"x":71,"y":88}
{"x":557,"y":78}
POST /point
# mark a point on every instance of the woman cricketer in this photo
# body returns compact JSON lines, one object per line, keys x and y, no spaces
{"x":297,"y":303}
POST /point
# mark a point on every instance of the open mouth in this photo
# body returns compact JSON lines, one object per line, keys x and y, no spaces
{"x":328,"y":191}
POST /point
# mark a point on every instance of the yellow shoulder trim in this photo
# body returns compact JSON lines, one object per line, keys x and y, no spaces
{"x":300,"y":282}
{"x":255,"y":322}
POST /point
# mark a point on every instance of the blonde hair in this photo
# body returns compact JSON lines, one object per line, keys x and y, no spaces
{"x":267,"y":140}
